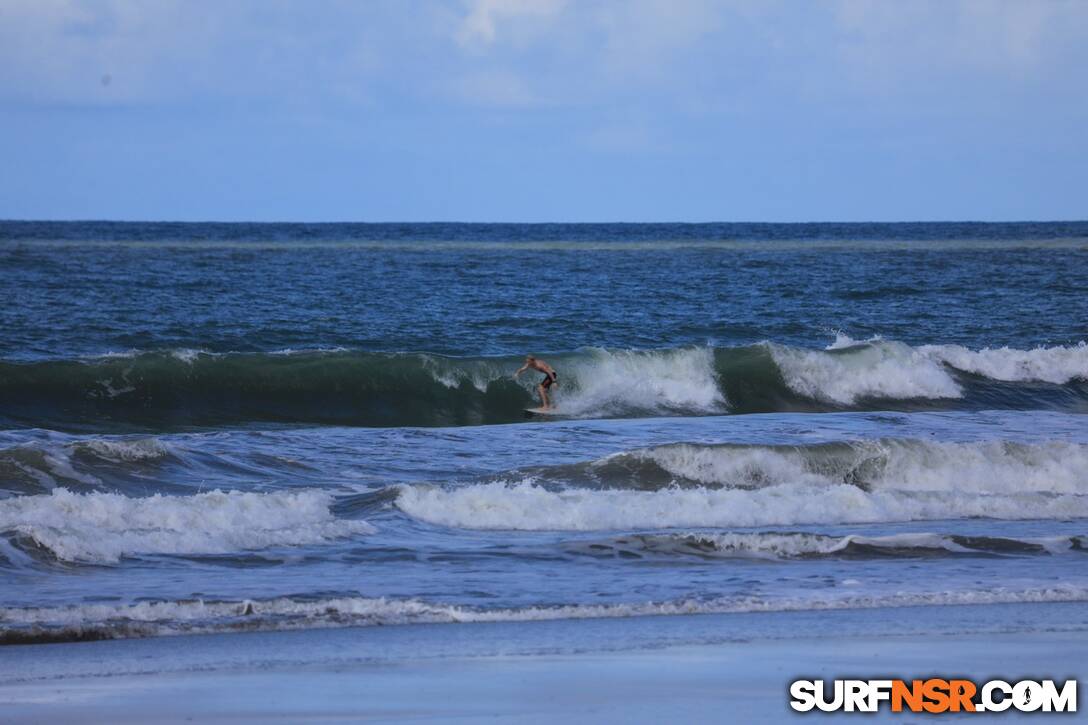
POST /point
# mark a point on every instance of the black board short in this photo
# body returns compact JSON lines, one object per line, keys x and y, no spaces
{"x":549,"y":380}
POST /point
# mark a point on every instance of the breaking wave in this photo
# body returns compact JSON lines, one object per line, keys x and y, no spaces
{"x":196,"y":388}
{"x":845,"y":375}
{"x":908,"y":464}
{"x":529,"y":507}
{"x":100,"y":528}
{"x":685,"y":485}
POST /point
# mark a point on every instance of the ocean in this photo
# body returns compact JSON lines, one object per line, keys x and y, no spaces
{"x":239,"y":427}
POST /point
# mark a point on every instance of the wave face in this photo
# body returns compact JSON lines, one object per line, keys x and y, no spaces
{"x":684,"y":485}
{"x":100,"y":528}
{"x":193,"y":388}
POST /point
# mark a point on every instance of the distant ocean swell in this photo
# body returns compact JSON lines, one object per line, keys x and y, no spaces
{"x":181,"y":388}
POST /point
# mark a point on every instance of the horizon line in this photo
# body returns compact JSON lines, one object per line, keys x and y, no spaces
{"x":537,"y":223}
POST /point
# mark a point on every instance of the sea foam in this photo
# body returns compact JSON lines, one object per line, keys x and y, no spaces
{"x":613,"y":382}
{"x":1056,"y":365}
{"x":873,"y":370}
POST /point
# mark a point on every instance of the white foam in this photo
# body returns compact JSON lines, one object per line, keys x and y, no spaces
{"x":111,"y":391}
{"x":848,"y":370}
{"x":290,"y":351}
{"x":760,"y":545}
{"x":842,"y":341}
{"x":604,"y":381}
{"x":989,"y":467}
{"x":189,"y":355}
{"x":528,"y":507}
{"x":199,"y":616}
{"x":121,"y":450}
{"x":730,"y":466}
{"x":183,"y":354}
{"x":454,"y":373}
{"x":103,"y":527}
{"x":1046,"y":364}
{"x":776,"y":545}
{"x":113,"y":354}
{"x":876,"y":369}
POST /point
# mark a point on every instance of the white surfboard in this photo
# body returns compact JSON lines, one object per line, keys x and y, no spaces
{"x":549,"y":412}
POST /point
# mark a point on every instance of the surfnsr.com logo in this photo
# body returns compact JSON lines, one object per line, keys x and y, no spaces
{"x":933,"y":695}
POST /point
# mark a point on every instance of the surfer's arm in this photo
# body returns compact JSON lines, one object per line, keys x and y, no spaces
{"x":522,"y":369}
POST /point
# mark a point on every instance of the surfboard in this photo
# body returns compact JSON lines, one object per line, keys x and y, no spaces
{"x":547,"y":412}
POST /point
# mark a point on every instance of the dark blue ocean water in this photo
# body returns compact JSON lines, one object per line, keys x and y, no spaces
{"x":86,"y":289}
{"x":217,"y":426}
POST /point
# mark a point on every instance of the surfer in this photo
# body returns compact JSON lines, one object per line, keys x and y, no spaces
{"x":550,"y":377}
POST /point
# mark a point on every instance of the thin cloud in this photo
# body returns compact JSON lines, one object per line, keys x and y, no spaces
{"x":485,"y":19}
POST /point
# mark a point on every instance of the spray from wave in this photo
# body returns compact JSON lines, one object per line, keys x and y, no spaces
{"x":844,"y":375}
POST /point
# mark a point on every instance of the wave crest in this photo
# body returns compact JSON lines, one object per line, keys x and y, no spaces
{"x":845,"y":375}
{"x":1057,"y":365}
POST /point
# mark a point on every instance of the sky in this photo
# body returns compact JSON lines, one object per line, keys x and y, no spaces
{"x":544,"y":110}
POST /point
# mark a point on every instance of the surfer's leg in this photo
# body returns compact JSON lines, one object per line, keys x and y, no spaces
{"x":543,"y":396}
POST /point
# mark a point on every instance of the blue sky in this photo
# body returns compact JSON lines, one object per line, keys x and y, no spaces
{"x":543,"y":110}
